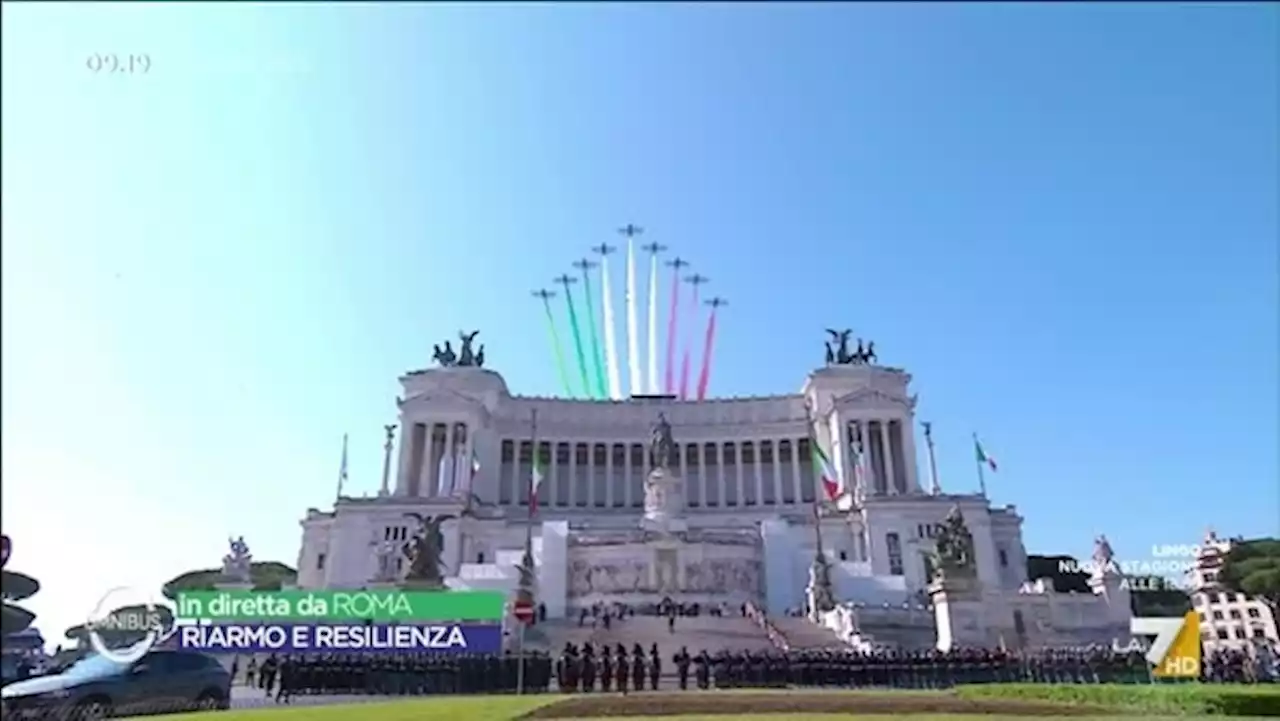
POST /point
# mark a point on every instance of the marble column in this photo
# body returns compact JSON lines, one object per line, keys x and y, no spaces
{"x":909,"y":449}
{"x":797,"y":478}
{"x":886,"y":449}
{"x":610,"y":479}
{"x":720,"y":474}
{"x":627,"y":477}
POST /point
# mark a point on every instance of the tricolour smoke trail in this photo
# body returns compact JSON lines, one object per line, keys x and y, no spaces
{"x":566,"y":281}
{"x":695,"y":280}
{"x":633,"y":347}
{"x":673,"y":315}
{"x":561,"y":369}
{"x":597,"y":365}
{"x":652,"y":349}
{"x":707,"y":346}
{"x":606,"y":306}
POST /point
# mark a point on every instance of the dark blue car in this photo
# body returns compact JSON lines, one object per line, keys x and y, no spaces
{"x":97,"y":687}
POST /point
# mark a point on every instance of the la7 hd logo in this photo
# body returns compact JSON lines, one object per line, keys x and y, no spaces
{"x":1175,"y":653}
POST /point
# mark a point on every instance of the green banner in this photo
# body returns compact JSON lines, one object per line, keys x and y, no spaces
{"x":341,"y":605}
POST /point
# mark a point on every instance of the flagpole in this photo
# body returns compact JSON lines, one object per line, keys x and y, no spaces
{"x":817,"y":510}
{"x":342,"y":470}
{"x":525,"y":590}
{"x":982,"y":476}
{"x":935,"y":488}
{"x":819,"y":590}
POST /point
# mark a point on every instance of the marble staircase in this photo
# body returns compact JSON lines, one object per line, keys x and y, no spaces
{"x":805,"y":635}
{"x":694,"y":633}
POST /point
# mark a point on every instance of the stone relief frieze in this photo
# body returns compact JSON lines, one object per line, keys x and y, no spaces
{"x":717,"y":576}
{"x":724,"y":576}
{"x":620,"y":577}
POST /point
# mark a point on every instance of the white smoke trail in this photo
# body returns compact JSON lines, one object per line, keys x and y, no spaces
{"x":610,"y":344}
{"x":653,"y":324}
{"x":633,"y":346}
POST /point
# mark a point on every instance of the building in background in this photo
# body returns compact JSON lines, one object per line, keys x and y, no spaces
{"x":1228,"y":621}
{"x":736,"y":525}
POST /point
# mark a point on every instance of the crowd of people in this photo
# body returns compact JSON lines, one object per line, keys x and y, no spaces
{"x":617,"y":669}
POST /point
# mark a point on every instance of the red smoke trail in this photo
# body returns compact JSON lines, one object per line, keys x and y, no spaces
{"x":684,"y":362}
{"x":671,"y":328}
{"x":705,"y":375}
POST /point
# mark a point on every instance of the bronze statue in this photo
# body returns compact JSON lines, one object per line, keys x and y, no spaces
{"x":952,"y":554}
{"x":423,"y":550}
{"x":466,"y":357}
{"x":840,"y":345}
{"x":870,"y":355}
{"x":860,"y":355}
{"x":662,"y":447}
{"x":480,"y":357}
{"x":831,"y":355}
{"x":446,"y":358}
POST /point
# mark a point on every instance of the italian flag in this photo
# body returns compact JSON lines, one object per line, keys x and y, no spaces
{"x":535,"y":481}
{"x":982,"y":455}
{"x":823,"y":469}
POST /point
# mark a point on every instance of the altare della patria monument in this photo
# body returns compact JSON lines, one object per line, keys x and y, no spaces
{"x":712,"y":503}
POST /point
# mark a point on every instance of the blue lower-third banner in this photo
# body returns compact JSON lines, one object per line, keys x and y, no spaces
{"x":340,"y":638}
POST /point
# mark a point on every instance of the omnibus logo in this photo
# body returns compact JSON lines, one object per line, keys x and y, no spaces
{"x":124,"y":625}
{"x":1175,"y":653}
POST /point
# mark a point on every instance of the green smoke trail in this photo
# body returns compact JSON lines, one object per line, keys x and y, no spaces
{"x":577,"y":343}
{"x":555,"y":345}
{"x":595,"y":339}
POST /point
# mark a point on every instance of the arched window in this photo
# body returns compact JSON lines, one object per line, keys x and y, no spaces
{"x":893,"y":544}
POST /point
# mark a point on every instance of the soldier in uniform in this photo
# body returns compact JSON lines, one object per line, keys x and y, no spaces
{"x":655,"y":668}
{"x":637,"y":668}
{"x":588,"y":668}
{"x":682,"y":660}
{"x":722,"y":670}
{"x":622,"y":668}
{"x":606,"y":670}
{"x":288,"y":680}
{"x":702,"y":670}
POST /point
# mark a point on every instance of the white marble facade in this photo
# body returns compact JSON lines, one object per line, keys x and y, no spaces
{"x":745,"y":481}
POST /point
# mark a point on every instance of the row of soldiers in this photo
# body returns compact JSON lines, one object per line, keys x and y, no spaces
{"x":610,"y":669}
{"x":425,"y":674}
{"x":591,"y":669}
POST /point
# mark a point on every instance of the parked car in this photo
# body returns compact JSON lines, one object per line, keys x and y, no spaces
{"x":97,"y":687}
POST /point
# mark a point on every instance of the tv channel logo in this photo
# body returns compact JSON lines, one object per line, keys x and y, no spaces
{"x":125,"y":624}
{"x":1175,"y":653}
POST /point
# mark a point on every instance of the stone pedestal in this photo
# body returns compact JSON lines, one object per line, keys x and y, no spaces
{"x":382,"y":585}
{"x":819,"y":598}
{"x":230,"y":585}
{"x":958,"y":613}
{"x":663,"y":503}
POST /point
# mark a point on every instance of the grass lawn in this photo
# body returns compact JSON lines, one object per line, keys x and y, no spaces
{"x":791,"y":705}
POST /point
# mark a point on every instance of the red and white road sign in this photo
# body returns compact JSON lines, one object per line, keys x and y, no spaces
{"x":523,"y":611}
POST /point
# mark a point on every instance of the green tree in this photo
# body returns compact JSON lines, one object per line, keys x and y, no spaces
{"x":266,"y":576}
{"x":1253,"y":568}
{"x":1156,"y":596}
{"x":14,"y":587}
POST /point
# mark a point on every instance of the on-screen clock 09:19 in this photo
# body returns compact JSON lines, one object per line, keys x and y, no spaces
{"x":135,"y":63}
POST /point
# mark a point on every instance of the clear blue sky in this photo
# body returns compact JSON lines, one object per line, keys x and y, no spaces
{"x":1061,"y":218}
